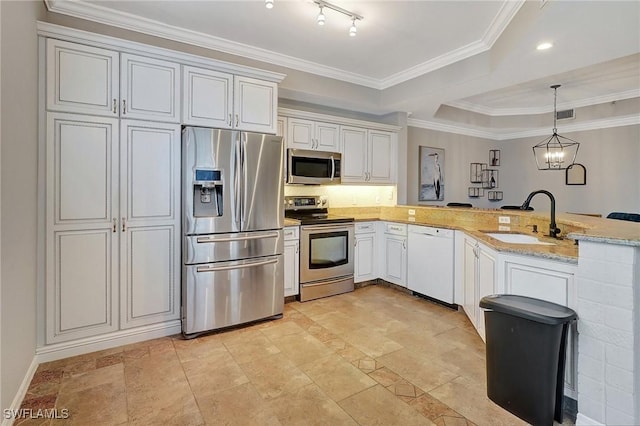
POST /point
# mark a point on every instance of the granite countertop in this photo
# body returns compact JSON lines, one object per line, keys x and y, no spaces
{"x":476,"y":222}
{"x":291,"y":222}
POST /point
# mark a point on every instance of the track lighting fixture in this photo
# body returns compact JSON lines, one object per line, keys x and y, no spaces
{"x":320,"y":18}
{"x":353,"y":16}
{"x":268,"y":4}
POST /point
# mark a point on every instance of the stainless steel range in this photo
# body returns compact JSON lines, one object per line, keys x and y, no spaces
{"x":326,"y":248}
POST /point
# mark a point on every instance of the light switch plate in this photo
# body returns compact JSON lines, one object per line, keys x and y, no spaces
{"x":504,"y":228}
{"x":412,"y":212}
{"x":504,"y":219}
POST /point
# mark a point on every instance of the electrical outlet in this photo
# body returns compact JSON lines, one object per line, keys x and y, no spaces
{"x":504,"y":219}
{"x":411,"y":219}
{"x":504,"y":228}
{"x":412,"y":212}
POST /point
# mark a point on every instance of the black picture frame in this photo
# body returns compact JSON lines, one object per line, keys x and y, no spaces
{"x":575,"y":174}
{"x":475,"y":172}
{"x":494,"y":195}
{"x":494,"y":157}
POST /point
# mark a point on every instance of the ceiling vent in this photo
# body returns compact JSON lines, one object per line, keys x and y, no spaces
{"x":566,"y":114}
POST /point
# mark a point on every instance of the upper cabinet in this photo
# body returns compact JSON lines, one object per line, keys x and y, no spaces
{"x":368,"y":156}
{"x":222,"y":100}
{"x":313,"y":135}
{"x":88,"y":80}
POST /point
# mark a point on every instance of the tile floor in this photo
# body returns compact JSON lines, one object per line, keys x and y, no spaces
{"x":376,"y":356}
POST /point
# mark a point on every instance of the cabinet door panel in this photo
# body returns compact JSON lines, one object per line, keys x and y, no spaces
{"x":291,"y":268}
{"x":354,"y":154}
{"x":151,"y":278}
{"x":150,"y":170}
{"x":300,"y":134}
{"x":80,"y":165}
{"x":364,"y":258}
{"x":82,"y":79}
{"x":395,"y":262}
{"x":486,"y":284}
{"x":327,"y":137}
{"x":469,"y":279}
{"x":381,"y":157}
{"x":255,"y":103}
{"x":208,"y":99}
{"x":150,"y":89}
{"x":80,"y":295}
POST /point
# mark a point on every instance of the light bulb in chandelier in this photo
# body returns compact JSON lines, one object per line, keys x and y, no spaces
{"x":268,"y":4}
{"x":320,"y":19}
{"x":353,"y":30}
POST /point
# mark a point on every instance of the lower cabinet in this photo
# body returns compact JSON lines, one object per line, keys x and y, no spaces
{"x":291,"y":261}
{"x":479,"y":267}
{"x":394,"y":253}
{"x":365,"y":252}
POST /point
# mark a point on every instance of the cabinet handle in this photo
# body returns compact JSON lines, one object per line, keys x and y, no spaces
{"x":355,"y":243}
{"x":237,"y":120}
{"x":115,"y":106}
{"x":124,"y":106}
{"x":297,"y":248}
{"x":230,"y":120}
{"x":123,"y":225}
{"x":404,"y":244}
{"x":115,"y":224}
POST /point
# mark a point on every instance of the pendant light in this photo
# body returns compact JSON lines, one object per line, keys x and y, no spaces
{"x":555,"y":152}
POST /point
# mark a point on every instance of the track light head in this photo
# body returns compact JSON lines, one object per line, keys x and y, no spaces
{"x":268,"y":4}
{"x":321,"y":18}
{"x":353,"y":30}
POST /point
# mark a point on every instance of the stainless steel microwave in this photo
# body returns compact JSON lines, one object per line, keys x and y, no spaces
{"x":313,"y":167}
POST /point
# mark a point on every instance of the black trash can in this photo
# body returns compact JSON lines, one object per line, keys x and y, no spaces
{"x":526,"y":342}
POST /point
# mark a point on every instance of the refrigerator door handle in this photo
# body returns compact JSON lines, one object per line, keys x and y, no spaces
{"x":203,"y":240}
{"x":213,"y":268}
{"x":243,"y":178}
{"x":237,"y":193}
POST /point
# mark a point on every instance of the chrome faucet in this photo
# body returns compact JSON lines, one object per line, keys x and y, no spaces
{"x":554,"y":231}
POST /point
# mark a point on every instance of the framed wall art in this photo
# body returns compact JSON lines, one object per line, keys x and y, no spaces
{"x":576,"y":174}
{"x":494,"y":157}
{"x":431,"y":179}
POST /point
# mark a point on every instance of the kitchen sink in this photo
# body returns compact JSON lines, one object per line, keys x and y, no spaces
{"x":514,"y":238}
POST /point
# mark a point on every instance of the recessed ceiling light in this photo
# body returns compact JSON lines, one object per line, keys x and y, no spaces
{"x":544,"y":46}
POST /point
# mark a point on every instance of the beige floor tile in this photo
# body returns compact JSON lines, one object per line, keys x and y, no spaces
{"x":425,"y":372}
{"x":80,"y":382}
{"x":422,"y":342}
{"x":149,"y":372}
{"x":337,"y":322}
{"x":241,"y":405}
{"x":105,"y":404}
{"x":464,"y":339}
{"x":213,"y":374}
{"x":251,"y":350}
{"x":201,"y":347}
{"x":378,"y":406}
{"x":275,"y":375}
{"x":466,"y":363}
{"x":371,"y":343}
{"x":470,"y":400}
{"x":385,"y":377}
{"x":336,"y":377}
{"x":280,"y":329}
{"x":302,"y":348}
{"x":309,"y":406}
{"x":430,"y":407}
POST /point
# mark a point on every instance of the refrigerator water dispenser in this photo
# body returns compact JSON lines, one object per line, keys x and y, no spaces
{"x":207,"y":193}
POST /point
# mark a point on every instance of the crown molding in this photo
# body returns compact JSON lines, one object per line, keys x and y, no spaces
{"x":497,"y":112}
{"x":103,"y":15}
{"x":306,"y":115}
{"x":628,"y":120}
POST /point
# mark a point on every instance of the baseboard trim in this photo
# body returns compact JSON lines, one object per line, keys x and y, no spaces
{"x":106,"y":341}
{"x":22,"y":391}
{"x":582,"y":420}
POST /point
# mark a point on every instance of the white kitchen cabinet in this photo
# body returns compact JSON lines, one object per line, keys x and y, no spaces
{"x":222,"y":100}
{"x":313,"y":135}
{"x":112,"y":225}
{"x":291,"y":261}
{"x":82,"y":79}
{"x":365,"y":252}
{"x":88,"y":80}
{"x":149,"y":223}
{"x":368,"y":156}
{"x":479,"y":273}
{"x":395,"y":253}
{"x":149,"y":89}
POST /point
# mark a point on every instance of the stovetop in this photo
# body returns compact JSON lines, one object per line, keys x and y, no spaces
{"x":311,"y":210}
{"x":317,"y":218}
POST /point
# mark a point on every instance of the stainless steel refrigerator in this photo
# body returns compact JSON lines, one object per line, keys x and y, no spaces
{"x":232,"y":219}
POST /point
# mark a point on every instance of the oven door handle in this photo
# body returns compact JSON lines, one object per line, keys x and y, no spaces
{"x":337,"y":280}
{"x":213,"y":268}
{"x":231,"y":239}
{"x":327,"y":227}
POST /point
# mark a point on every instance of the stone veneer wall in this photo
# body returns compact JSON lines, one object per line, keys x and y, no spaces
{"x":609,"y":334}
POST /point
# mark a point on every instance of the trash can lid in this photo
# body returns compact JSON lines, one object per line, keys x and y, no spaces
{"x":529,"y":308}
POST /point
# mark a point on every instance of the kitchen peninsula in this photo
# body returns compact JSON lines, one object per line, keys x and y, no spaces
{"x":605,"y":293}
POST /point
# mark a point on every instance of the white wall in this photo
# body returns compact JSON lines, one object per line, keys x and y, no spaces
{"x":18,"y":176}
{"x":611,"y":157}
{"x":459,"y":152}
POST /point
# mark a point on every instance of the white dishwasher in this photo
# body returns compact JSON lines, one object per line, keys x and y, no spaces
{"x":430,"y":262}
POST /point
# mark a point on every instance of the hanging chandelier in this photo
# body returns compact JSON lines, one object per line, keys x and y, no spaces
{"x":555,"y":152}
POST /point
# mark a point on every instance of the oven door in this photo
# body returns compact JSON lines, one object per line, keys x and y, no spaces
{"x":326,"y":252}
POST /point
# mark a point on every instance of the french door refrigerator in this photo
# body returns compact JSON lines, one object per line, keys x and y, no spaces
{"x":232,"y":219}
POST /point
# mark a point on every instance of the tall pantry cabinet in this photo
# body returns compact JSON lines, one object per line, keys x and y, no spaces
{"x":112,"y":161}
